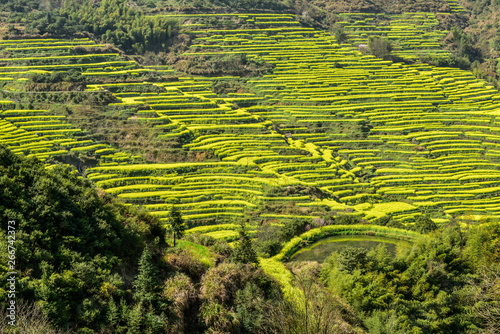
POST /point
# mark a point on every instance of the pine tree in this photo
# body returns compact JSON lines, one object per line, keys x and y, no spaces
{"x":112,"y":313}
{"x":135,"y":319}
{"x":177,"y":225}
{"x":243,"y":251}
{"x":146,"y":281}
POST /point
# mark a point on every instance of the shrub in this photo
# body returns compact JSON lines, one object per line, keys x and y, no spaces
{"x":183,"y":262}
{"x":423,"y":224}
{"x":295,"y":227}
{"x":379,"y":47}
{"x":202,"y":239}
{"x":222,"y":247}
{"x":268,"y":240}
{"x":243,"y":251}
{"x":352,"y":258}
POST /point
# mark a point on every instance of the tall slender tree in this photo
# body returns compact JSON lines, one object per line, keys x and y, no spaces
{"x":146,"y":282}
{"x":177,"y":224}
{"x":243,"y":251}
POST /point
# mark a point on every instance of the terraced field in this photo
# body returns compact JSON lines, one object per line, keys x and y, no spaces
{"x":427,"y":134}
{"x":330,"y":129}
{"x":38,"y":132}
{"x":412,"y":35}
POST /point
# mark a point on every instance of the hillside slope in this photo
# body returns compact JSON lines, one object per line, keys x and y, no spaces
{"x":252,"y":121}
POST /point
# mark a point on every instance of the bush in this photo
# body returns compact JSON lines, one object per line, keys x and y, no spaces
{"x":352,"y":258}
{"x":182,"y":261}
{"x":268,"y":240}
{"x":244,"y":252}
{"x":423,"y":224}
{"x":201,"y":239}
{"x":340,"y":35}
{"x":342,"y":220}
{"x":221,"y":247}
{"x":389,"y":222}
{"x":379,"y":47}
{"x":295,"y":227}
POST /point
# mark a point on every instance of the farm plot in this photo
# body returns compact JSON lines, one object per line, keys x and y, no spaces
{"x":413,"y":35}
{"x":418,"y":126}
{"x":366,"y":134}
{"x":44,"y":56}
{"x":43,"y":135}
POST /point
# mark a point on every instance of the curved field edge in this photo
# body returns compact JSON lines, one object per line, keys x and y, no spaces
{"x":275,"y":267}
{"x":349,"y":238}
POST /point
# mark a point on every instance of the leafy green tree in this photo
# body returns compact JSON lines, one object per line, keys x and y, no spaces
{"x":389,"y":222}
{"x":340,"y":35}
{"x":112,"y":313}
{"x":177,"y":224}
{"x":422,"y":291}
{"x":379,"y":47}
{"x":352,"y":258}
{"x":424,"y":224}
{"x":251,"y":308}
{"x":268,"y":240}
{"x":243,"y":251}
{"x":292,"y":228}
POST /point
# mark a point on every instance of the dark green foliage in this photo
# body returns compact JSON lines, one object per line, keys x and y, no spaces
{"x":379,"y":47}
{"x":352,"y":258}
{"x":146,"y":282}
{"x":239,"y":4}
{"x":54,"y":77}
{"x":114,"y":21}
{"x":424,"y":224}
{"x":293,"y":228}
{"x":268,"y":240}
{"x":43,"y":97}
{"x":135,"y":319}
{"x":223,"y":87}
{"x":71,"y":240}
{"x":379,"y":6}
{"x":177,"y":225}
{"x":383,"y":221}
{"x":340,"y":34}
{"x":389,"y":222}
{"x":251,"y":308}
{"x":462,"y":45}
{"x":427,"y":289}
{"x":244,"y":252}
{"x":341,"y":219}
{"x":221,"y":65}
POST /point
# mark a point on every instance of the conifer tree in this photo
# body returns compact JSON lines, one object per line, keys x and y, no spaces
{"x":177,"y":224}
{"x":146,"y":280}
{"x":243,"y":251}
{"x":112,"y":313}
{"x":135,"y":319}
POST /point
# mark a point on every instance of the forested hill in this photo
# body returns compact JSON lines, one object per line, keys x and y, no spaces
{"x":165,"y":165}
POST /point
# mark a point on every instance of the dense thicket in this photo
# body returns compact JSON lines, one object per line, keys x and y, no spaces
{"x":76,"y":249}
{"x":112,"y":21}
{"x":433,"y":288}
{"x":93,"y":265}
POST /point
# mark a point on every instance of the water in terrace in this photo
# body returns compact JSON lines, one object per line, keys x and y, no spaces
{"x":322,"y":249}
